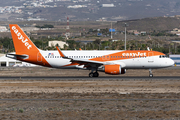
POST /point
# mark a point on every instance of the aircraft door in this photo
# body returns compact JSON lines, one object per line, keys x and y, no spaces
{"x":39,"y":57}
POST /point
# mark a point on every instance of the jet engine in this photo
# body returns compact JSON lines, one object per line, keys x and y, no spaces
{"x":113,"y":69}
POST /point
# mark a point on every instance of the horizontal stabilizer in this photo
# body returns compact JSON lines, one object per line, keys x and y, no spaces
{"x":14,"y":56}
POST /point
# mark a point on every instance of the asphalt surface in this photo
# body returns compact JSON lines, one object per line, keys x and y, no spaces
{"x":89,"y":99}
{"x":88,"y":78}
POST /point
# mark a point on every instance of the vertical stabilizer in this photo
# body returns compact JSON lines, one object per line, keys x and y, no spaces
{"x":21,"y":41}
{"x":25,"y":48}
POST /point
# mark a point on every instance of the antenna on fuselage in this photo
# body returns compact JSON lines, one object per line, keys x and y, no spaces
{"x":148,"y":49}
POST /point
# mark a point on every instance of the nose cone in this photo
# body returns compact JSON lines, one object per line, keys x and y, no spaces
{"x":171,"y":62}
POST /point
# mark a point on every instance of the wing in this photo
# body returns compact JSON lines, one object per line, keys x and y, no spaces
{"x":85,"y":62}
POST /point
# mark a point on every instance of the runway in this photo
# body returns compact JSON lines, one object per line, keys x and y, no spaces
{"x":71,"y":78}
{"x":89,"y":99}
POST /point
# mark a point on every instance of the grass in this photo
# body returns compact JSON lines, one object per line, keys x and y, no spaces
{"x":21,"y":110}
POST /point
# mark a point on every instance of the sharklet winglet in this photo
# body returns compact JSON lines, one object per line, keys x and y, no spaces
{"x":62,"y":55}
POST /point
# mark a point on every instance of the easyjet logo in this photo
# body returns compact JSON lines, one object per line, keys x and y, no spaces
{"x":20,"y":37}
{"x":134,"y":54}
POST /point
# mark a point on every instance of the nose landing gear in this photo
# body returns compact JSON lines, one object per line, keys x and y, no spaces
{"x":150,"y":73}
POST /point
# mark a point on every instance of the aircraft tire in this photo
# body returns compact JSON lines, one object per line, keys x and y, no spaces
{"x":91,"y":75}
{"x":96,"y":74}
{"x":151,"y":75}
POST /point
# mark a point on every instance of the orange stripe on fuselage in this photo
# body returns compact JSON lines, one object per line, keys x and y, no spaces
{"x":129,"y":54}
{"x":33,"y":58}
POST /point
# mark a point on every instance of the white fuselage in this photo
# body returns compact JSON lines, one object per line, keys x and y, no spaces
{"x":56,"y":61}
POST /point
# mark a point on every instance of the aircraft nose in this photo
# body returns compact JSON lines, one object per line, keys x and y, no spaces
{"x":171,"y":62}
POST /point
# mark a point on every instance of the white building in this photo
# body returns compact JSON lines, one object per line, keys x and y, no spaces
{"x":8,"y":62}
{"x":77,"y":6}
{"x":108,"y":5}
{"x":60,"y":44}
{"x":3,"y":29}
{"x":29,"y":29}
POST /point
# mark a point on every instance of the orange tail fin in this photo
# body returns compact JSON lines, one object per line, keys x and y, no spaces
{"x":25,"y":48}
{"x":21,"y":41}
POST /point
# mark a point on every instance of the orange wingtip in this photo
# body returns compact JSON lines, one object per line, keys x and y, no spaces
{"x":62,"y":55}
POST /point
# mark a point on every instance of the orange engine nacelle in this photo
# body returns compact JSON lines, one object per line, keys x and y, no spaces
{"x":114,"y":69}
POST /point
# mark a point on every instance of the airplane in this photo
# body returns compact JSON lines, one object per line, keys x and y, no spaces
{"x":113,"y":62}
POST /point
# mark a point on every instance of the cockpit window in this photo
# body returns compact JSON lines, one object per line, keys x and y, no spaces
{"x":162,"y":56}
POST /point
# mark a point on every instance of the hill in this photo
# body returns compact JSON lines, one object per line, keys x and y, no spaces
{"x":150,"y":24}
{"x":86,"y":10}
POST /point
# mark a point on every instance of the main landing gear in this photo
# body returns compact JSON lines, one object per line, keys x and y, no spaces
{"x":95,"y":74}
{"x":150,"y":73}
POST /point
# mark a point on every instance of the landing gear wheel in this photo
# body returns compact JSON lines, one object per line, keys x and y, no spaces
{"x":96,"y":74}
{"x":91,"y":75}
{"x":150,"y":75}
